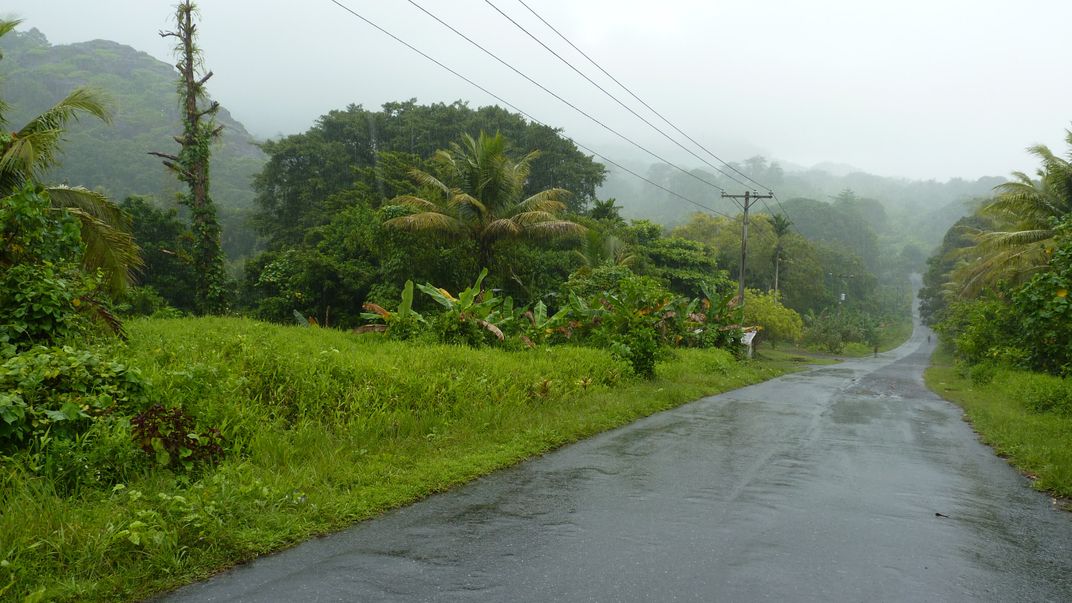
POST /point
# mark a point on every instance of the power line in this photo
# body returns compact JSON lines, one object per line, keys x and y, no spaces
{"x":609,"y":95}
{"x":562,"y":100}
{"x":515,"y":108}
{"x":640,"y":100}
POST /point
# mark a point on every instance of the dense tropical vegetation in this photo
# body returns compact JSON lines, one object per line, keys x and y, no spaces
{"x":996,"y":291}
{"x":450,"y":294}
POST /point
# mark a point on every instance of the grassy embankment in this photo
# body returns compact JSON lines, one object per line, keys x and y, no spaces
{"x":1038,"y":443}
{"x":323,"y":429}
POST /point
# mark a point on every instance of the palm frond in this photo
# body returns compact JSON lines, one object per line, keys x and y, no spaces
{"x":34,"y":148}
{"x":91,"y":202}
{"x":528,"y":218}
{"x":502,"y":228}
{"x":428,"y":221}
{"x":8,"y":25}
{"x":105,"y":230}
{"x":80,"y":100}
{"x":425,"y":179}
{"x":550,"y":200}
{"x":555,"y":228}
{"x":997,"y":239}
{"x":468,"y":203}
{"x":1012,"y":265}
{"x":415,"y":202}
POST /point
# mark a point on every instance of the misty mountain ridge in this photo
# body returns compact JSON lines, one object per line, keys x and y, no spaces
{"x":145,"y":116}
{"x":113,"y":157}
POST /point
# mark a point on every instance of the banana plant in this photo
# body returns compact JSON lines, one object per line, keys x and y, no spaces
{"x":472,"y":305}
{"x":402,"y":323}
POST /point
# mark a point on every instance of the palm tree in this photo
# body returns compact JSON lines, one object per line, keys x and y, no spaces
{"x":1027,"y":212}
{"x":480,"y":197}
{"x":781,"y":225}
{"x":26,"y":154}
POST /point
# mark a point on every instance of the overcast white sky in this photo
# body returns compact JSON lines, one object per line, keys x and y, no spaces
{"x":914,"y":88}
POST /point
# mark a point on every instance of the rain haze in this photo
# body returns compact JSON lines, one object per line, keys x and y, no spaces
{"x":910,"y":89}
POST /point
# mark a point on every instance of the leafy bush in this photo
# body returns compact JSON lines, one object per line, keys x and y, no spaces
{"x":60,"y":392}
{"x":1043,"y":315}
{"x":146,"y":301}
{"x":983,"y":373}
{"x":634,"y":324}
{"x":42,"y":285}
{"x":778,"y":322}
{"x":170,"y":436}
{"x":1044,"y":393}
{"x":832,"y":331}
{"x":979,"y":330}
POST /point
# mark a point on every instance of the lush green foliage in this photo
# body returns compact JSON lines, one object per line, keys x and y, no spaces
{"x":167,"y":248}
{"x":372,"y":152}
{"x":42,"y":285}
{"x":778,"y":323}
{"x":1029,"y":328}
{"x":56,"y":393}
{"x":479,"y":193}
{"x":28,"y":153}
{"x":320,"y":428}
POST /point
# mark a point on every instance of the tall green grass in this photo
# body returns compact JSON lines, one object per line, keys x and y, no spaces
{"x":1003,"y":409}
{"x":324,"y":428}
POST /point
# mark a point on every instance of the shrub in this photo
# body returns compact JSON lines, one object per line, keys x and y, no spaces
{"x":1043,"y":315}
{"x":42,"y":285}
{"x":978,"y":329}
{"x":982,"y":373}
{"x":170,"y":436}
{"x":400,"y":324}
{"x":1048,"y":394}
{"x":778,"y":322}
{"x":634,"y":322}
{"x":471,"y":318}
{"x":60,"y":392}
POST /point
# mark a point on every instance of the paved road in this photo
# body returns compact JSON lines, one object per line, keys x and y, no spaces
{"x":818,"y":486}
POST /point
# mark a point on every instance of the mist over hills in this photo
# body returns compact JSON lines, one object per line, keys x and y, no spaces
{"x":35,"y":74}
{"x":112,"y":157}
{"x":926,"y":208}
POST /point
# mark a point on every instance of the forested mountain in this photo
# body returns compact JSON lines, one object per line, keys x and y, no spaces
{"x":113,"y":157}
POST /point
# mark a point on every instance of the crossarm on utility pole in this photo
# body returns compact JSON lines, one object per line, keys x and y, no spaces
{"x":749,"y":197}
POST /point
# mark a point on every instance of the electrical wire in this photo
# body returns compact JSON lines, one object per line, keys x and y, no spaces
{"x":609,"y":95}
{"x":640,"y":100}
{"x":562,"y":100}
{"x":515,"y":108}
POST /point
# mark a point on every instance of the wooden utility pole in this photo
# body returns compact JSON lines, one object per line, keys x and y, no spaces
{"x":749,"y":197}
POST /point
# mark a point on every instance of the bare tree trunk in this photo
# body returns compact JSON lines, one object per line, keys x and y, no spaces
{"x":192,"y":164}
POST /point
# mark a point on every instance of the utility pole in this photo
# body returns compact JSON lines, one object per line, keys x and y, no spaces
{"x":749,"y":198}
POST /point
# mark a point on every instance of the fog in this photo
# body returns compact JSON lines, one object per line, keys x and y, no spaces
{"x":908,"y":88}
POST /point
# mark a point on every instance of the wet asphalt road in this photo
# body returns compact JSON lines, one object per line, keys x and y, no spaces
{"x":817,"y":486}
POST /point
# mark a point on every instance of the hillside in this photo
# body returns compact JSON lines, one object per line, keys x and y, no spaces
{"x":112,"y":157}
{"x":926,"y":209}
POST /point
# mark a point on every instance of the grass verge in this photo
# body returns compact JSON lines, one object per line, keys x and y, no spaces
{"x":1039,"y":444}
{"x":323,"y":429}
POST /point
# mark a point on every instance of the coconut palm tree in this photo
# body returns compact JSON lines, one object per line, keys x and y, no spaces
{"x":1027,"y":212}
{"x":26,"y":154}
{"x":479,"y":196}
